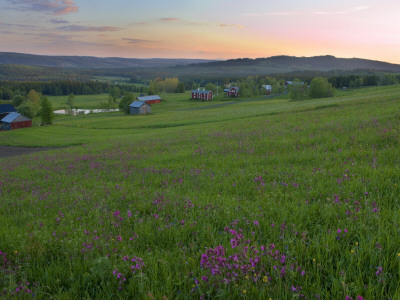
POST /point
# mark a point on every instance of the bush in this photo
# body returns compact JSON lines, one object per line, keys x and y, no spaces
{"x":126,"y":100}
{"x":320,"y":88}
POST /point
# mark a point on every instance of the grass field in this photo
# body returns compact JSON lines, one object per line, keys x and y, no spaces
{"x":80,"y":101}
{"x":254,"y":200}
{"x":95,"y":101}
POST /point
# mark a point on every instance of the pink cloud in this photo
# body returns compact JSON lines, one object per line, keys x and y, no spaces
{"x":56,"y":7}
{"x":79,"y":28}
{"x":138,"y":41}
{"x":169,"y":19}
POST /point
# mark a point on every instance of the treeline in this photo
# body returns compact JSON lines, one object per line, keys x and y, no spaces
{"x":8,"y":89}
{"x":355,"y":81}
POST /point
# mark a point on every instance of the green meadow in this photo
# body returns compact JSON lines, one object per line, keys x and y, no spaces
{"x":261,"y":199}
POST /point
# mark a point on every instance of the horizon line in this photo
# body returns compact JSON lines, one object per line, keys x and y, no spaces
{"x":182,"y":58}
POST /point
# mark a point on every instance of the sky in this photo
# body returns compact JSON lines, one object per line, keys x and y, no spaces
{"x":207,"y":29}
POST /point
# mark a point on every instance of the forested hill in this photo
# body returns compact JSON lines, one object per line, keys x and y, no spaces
{"x":15,"y":66}
{"x":90,"y":62}
{"x":286,"y":64}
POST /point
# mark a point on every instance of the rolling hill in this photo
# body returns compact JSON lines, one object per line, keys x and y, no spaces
{"x":16,"y":66}
{"x":90,"y":62}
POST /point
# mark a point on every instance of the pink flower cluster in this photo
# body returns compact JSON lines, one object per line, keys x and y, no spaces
{"x":259,"y":264}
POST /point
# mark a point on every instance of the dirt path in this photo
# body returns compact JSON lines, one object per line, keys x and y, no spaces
{"x":6,"y":151}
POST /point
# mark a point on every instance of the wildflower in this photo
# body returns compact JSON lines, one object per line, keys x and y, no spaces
{"x":234,"y":243}
{"x":356,"y":243}
{"x":244,"y":291}
{"x":313,"y":259}
{"x":352,"y":251}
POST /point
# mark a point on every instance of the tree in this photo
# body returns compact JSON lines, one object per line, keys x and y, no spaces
{"x":46,"y":111}
{"x":297,"y":90}
{"x":320,"y":88}
{"x":34,"y":97}
{"x":153,"y":88}
{"x":388,"y":79}
{"x":18,"y":100}
{"x":245,"y":90}
{"x":28,"y":109}
{"x":211,"y":87}
{"x":7,"y":94}
{"x":171,"y":84}
{"x":70,"y":100}
{"x":181,"y":87}
{"x":115,"y":93}
{"x":126,"y":100}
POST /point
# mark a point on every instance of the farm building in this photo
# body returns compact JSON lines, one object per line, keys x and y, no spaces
{"x":5,"y":109}
{"x":202,"y":95}
{"x":15,"y":120}
{"x":268,"y":88}
{"x":150,"y":99}
{"x":233,"y":92}
{"x":139,"y":107}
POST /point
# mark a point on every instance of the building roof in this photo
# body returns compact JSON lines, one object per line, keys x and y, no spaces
{"x":267,"y":87}
{"x":201,"y":92}
{"x":235,"y":88}
{"x":137,"y":104}
{"x":10,"y":117}
{"x":147,"y":98}
{"x":7,"y":108}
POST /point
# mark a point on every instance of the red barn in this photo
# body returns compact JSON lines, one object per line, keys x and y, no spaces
{"x":202,"y":95}
{"x":15,"y":120}
{"x":233,"y":92}
{"x":150,"y":99}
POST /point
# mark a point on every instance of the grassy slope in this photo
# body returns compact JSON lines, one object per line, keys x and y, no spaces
{"x":85,"y":129}
{"x":289,"y":174}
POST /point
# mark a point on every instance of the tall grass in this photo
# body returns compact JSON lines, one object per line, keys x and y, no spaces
{"x":300,"y":201}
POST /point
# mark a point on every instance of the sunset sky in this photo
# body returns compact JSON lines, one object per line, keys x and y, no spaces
{"x":212,"y":29}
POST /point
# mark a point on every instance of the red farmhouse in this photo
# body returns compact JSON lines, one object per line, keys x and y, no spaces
{"x":150,"y":99}
{"x":233,"y":92}
{"x":202,"y":95}
{"x":15,"y":120}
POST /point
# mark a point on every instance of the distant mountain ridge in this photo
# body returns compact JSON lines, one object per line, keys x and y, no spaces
{"x":284,"y":64}
{"x":17,"y":66}
{"x":91,"y":62}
